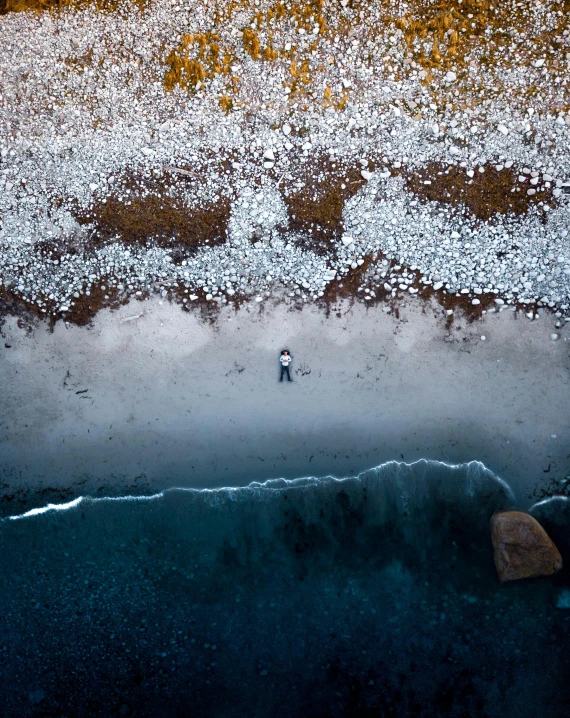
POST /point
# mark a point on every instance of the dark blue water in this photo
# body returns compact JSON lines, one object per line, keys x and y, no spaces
{"x":370,"y":596}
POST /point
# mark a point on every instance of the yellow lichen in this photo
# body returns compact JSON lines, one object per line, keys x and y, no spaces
{"x":251,"y":43}
{"x":226,"y":103}
{"x":270,"y":54}
{"x":187,"y":71}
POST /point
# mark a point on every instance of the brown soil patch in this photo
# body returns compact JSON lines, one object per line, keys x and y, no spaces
{"x":56,"y":249}
{"x":485,"y":194}
{"x":209,"y":310}
{"x":461,"y":305}
{"x":12,"y":305}
{"x":346,"y":286}
{"x":81,"y":312}
{"x":316,"y":208}
{"x":85,"y":308}
{"x":145,"y":212}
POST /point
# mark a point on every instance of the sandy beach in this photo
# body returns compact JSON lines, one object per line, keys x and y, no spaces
{"x":134,"y":406}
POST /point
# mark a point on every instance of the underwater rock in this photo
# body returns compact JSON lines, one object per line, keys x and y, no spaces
{"x":522,"y":547}
{"x":563,"y":599}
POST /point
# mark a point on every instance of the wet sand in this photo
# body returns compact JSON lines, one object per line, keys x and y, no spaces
{"x":168,"y":399}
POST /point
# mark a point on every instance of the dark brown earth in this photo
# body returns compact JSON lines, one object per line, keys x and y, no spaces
{"x":317,"y":207}
{"x":150,"y":211}
{"x":483,"y":195}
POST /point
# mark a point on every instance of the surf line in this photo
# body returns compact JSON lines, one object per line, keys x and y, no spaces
{"x":269,"y":484}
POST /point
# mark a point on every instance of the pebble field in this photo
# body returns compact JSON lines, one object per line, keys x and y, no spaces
{"x":218,"y":153}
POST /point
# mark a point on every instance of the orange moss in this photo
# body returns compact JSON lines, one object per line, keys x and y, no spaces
{"x":187,"y":71}
{"x":226,"y":103}
{"x":270,"y":54}
{"x":251,"y":43}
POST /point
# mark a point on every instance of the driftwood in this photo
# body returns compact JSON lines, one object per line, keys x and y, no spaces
{"x":165,"y":281}
{"x":171,"y":168}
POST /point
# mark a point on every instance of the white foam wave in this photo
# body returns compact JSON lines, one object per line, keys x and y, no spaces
{"x":391,"y":469}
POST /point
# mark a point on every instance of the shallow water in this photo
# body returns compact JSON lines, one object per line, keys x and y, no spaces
{"x":367,"y":596}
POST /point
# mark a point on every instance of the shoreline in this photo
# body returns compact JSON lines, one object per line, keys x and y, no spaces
{"x":282,"y":484}
{"x":128,"y":407}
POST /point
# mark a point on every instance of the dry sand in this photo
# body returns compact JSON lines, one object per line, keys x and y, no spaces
{"x":171,"y":400}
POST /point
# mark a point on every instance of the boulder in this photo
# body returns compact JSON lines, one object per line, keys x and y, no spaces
{"x":522,"y":547}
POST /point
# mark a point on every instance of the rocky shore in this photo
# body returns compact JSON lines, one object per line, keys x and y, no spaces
{"x":218,"y":156}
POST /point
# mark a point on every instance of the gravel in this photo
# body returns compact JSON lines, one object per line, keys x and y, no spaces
{"x":84,"y":105}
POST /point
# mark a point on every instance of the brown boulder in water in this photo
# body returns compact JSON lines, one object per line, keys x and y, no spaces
{"x":522,"y":547}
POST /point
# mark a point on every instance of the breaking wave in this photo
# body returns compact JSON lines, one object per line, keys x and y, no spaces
{"x":396,"y":487}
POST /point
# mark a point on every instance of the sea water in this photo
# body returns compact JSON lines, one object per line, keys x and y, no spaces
{"x":367,"y":596}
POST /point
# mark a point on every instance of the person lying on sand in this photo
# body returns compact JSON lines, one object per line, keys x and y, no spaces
{"x":285,"y":360}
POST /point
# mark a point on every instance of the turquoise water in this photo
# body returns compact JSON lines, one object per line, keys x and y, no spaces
{"x":368,"y":596}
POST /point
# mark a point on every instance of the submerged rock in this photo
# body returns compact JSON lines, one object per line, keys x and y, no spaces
{"x":522,"y":547}
{"x":564,"y":599}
